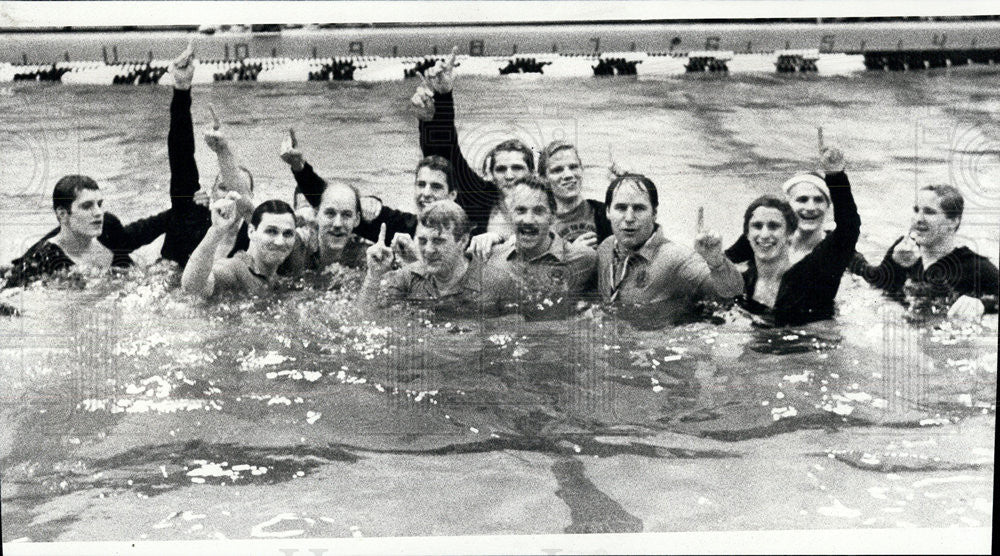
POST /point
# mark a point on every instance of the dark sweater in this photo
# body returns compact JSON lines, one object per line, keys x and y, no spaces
{"x":188,"y":221}
{"x":121,"y":240}
{"x":960,"y":272}
{"x":439,"y":136}
{"x":808,"y":287}
{"x":44,"y":257}
{"x":311,"y":186}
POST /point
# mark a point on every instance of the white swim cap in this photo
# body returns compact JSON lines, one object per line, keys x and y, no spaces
{"x":807,"y":177}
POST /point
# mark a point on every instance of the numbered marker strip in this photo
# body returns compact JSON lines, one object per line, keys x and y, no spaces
{"x":643,"y":65}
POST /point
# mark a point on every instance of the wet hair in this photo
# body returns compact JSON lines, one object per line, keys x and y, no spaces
{"x":636,"y":179}
{"x":357,"y":195}
{"x":770,"y":201}
{"x":952,"y":202}
{"x":67,"y":189}
{"x":511,"y":145}
{"x":273,"y":206}
{"x":441,"y":164}
{"x":550,"y":150}
{"x":445,"y":215}
{"x":539,"y":185}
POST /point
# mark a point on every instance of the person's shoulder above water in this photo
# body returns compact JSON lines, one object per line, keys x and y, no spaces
{"x":41,"y":259}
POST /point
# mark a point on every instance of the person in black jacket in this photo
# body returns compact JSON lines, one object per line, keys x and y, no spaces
{"x":87,"y":239}
{"x":927,"y":271}
{"x":809,"y":197}
{"x":432,"y":182}
{"x":189,"y":218}
{"x":507,"y":163}
{"x":787,"y":293}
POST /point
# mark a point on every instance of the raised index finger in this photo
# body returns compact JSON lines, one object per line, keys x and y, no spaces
{"x":381,"y":235}
{"x":819,"y":135}
{"x":700,"y":225}
{"x":216,"y":124}
{"x":451,"y":59}
{"x":291,"y":133}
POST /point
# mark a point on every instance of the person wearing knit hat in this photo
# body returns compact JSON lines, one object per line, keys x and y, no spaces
{"x":793,"y":275}
{"x":809,"y":195}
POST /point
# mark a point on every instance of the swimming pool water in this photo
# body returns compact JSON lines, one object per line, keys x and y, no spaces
{"x":131,"y":412}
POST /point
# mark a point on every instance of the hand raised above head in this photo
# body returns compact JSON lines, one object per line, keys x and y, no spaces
{"x":224,"y":213}
{"x":441,"y":77}
{"x":422,"y":101}
{"x":290,"y":152}
{"x":182,"y":68}
{"x":831,"y":159}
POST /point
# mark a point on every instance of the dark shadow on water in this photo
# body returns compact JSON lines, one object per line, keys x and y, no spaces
{"x":591,"y":510}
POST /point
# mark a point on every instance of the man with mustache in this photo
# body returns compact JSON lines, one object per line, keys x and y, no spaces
{"x":656,"y":280}
{"x":536,"y":272}
{"x":272,"y":237}
{"x":442,"y":278}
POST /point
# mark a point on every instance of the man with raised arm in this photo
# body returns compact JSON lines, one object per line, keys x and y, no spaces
{"x":537,"y":272}
{"x":442,"y":277}
{"x":656,"y":279}
{"x":432,"y":182}
{"x":506,"y":163}
{"x":190,"y":220}
{"x":271,"y":239}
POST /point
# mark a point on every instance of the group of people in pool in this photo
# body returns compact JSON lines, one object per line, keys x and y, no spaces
{"x":516,"y":238}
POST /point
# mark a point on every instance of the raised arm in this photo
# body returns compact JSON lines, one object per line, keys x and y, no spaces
{"x":198,"y":277}
{"x":435,"y":107}
{"x":723,"y":280}
{"x":180,"y":138}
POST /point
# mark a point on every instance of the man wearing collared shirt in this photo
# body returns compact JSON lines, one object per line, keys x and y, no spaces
{"x":641,"y":269}
{"x":536,"y":272}
{"x":442,"y":277}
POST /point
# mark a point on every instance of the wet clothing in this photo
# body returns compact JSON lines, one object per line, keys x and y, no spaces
{"x":960,"y":272}
{"x":549,"y":283}
{"x":439,"y":136}
{"x":353,"y":255}
{"x":809,"y":286}
{"x":412,"y":283}
{"x":477,"y":195}
{"x":311,"y":186}
{"x":589,"y":216}
{"x":188,"y":221}
{"x":45,"y":257}
{"x":661,"y":279}
{"x":235,"y":275}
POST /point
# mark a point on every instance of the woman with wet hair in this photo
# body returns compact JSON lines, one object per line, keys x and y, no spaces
{"x":808,"y":193}
{"x":787,"y":288}
{"x":927,"y":271}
